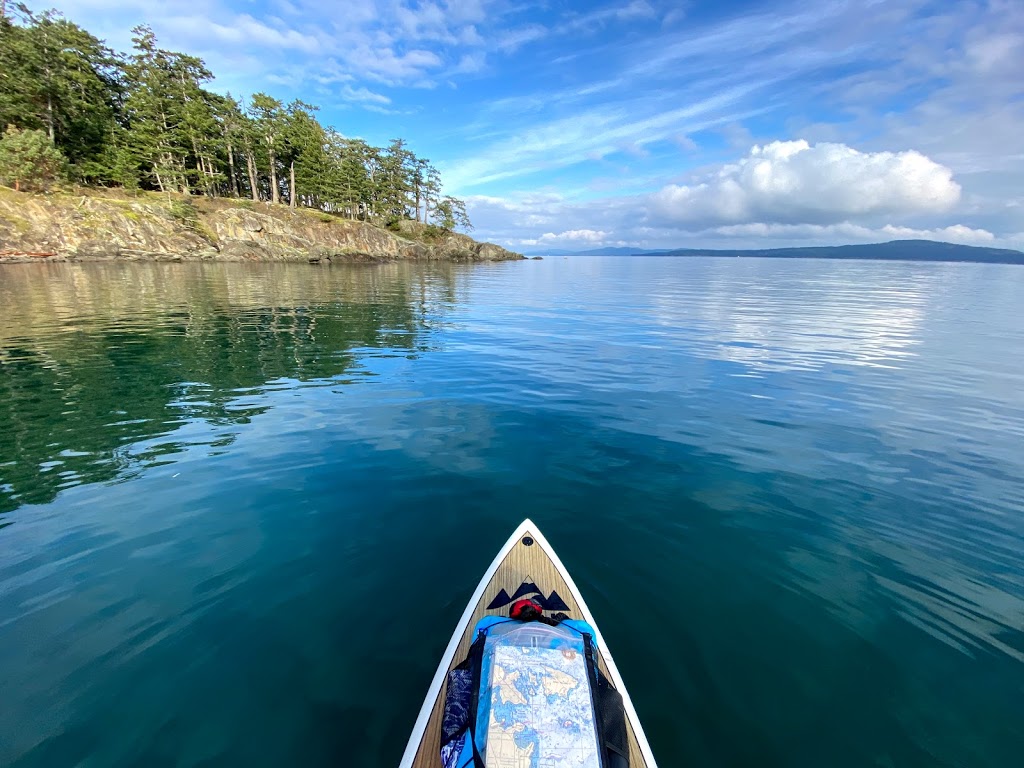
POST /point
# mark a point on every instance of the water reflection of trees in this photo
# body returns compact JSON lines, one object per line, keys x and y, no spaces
{"x":96,"y":361}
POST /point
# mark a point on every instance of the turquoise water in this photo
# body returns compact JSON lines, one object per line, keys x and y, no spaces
{"x":242,"y":506}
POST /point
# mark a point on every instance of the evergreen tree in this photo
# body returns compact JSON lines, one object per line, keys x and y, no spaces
{"x":269,"y":124}
{"x":57,"y":77}
{"x":231,"y":123}
{"x":192,"y":111}
{"x":393,"y":182}
{"x":450,"y":212}
{"x":28,"y":161}
{"x":305,"y":142}
{"x":150,"y":115}
{"x":431,"y":192}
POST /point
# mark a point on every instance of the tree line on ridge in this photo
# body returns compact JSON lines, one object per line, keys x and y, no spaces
{"x":143,"y":120}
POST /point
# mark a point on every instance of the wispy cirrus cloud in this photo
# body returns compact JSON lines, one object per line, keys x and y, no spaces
{"x":588,"y":135}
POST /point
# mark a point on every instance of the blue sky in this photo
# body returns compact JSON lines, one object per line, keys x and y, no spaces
{"x":648,"y":123}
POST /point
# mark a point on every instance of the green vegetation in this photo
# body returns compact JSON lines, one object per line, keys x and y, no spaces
{"x":28,"y":161}
{"x":184,"y":212}
{"x":143,"y":120}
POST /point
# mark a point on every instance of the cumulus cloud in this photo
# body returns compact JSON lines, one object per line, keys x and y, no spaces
{"x":570,"y":237}
{"x":796,"y":182}
{"x":957,"y":233}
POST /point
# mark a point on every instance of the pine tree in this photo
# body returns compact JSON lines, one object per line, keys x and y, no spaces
{"x":193,"y":115}
{"x":305,"y":154}
{"x":231,"y":122}
{"x":269,"y":119}
{"x":59,"y":78}
{"x":28,"y":160}
{"x":149,"y":109}
{"x":431,"y":192}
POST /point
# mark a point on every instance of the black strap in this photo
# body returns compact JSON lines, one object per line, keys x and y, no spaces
{"x":590,"y":655}
{"x":609,"y":713}
{"x":475,"y":659}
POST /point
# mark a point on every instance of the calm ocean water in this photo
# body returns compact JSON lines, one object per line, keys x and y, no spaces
{"x":242,"y":506}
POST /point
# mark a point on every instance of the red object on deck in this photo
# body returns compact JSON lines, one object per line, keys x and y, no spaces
{"x":522,"y":609}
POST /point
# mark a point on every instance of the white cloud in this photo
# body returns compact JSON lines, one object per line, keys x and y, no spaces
{"x":467,"y":11}
{"x":795,"y":182}
{"x":363,"y":95}
{"x":570,"y":237}
{"x":674,"y":16}
{"x":246,"y":29}
{"x":513,"y":39}
{"x":685,"y":143}
{"x":993,"y":52}
{"x":388,"y":66}
{"x":468,"y":63}
{"x":957,"y":233}
{"x":637,"y":9}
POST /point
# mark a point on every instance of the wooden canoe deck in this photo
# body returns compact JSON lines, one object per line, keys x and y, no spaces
{"x":528,"y":561}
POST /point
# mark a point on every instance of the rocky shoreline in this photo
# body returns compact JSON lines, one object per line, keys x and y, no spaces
{"x":115,"y":226}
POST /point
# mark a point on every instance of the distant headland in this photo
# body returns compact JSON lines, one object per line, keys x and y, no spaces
{"x":895,"y":250}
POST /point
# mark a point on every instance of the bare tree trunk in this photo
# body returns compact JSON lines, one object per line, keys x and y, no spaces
{"x":253,"y":184}
{"x":291,"y":197}
{"x":201,"y":171}
{"x":49,"y":84}
{"x":275,"y":193}
{"x":211,"y":183}
{"x":185,"y":188}
{"x":49,"y":117}
{"x":231,"y":171}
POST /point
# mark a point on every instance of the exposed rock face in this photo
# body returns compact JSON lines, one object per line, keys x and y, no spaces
{"x":157,"y":227}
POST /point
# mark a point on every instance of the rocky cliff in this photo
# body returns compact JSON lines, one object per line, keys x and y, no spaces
{"x":151,"y":226}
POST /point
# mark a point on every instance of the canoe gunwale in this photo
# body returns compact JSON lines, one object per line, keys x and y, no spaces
{"x":434,"y":691}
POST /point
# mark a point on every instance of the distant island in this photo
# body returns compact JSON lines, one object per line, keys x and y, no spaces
{"x":895,"y":250}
